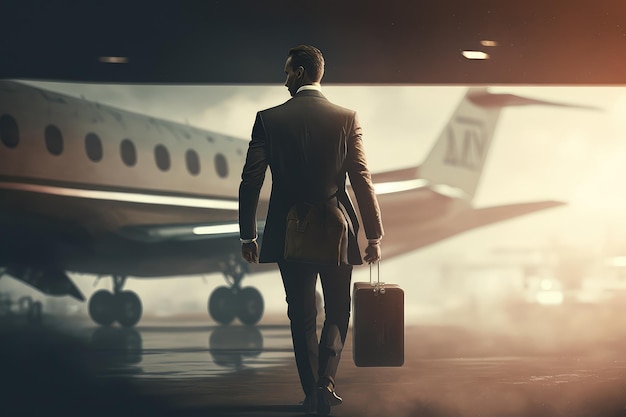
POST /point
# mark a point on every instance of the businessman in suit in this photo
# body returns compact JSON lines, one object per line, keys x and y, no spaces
{"x":310,"y":145}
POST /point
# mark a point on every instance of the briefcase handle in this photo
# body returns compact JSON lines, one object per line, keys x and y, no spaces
{"x":379,"y":287}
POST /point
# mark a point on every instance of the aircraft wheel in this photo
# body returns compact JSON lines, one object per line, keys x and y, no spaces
{"x":250,"y":306}
{"x":102,"y":308}
{"x":128,"y":308}
{"x":222,"y":305}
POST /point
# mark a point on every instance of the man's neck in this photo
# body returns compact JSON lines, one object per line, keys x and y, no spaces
{"x":312,"y":86}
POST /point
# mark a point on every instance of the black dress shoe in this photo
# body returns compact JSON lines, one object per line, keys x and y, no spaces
{"x":327,"y":397}
{"x":309,"y":405}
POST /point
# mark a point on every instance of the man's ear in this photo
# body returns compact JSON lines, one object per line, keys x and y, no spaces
{"x":300,"y":71}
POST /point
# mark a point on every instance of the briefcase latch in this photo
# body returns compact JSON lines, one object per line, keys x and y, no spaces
{"x":379,"y":288}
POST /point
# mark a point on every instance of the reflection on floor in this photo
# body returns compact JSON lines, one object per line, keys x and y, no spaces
{"x":180,"y":351}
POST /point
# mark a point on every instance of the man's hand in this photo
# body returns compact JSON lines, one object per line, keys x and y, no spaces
{"x":372,"y":253}
{"x":250,"y":252}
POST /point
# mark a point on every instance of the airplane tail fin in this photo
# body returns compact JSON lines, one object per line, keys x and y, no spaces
{"x":458,"y":157}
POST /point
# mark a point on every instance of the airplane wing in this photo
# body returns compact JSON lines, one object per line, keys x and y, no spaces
{"x":466,"y":220}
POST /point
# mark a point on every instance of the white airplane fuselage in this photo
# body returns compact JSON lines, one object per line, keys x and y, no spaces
{"x":72,"y":207}
{"x":51,"y":197}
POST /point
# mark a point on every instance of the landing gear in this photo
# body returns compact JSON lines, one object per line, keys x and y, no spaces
{"x":250,"y":305}
{"x":32,"y":309}
{"x":244,"y":303}
{"x":128,"y":308}
{"x":226,"y":303}
{"x":222,"y":305}
{"x":121,"y":306}
{"x":102,"y":308}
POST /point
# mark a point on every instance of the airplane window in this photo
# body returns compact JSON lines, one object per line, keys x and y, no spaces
{"x":9,"y":133}
{"x":128,"y":152}
{"x":162,"y":157}
{"x":193,"y":162}
{"x":221,"y":165}
{"x":54,"y":140}
{"x":93,"y":146}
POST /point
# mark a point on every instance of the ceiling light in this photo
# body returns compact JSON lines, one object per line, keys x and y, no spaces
{"x":475,"y":55}
{"x":114,"y":59}
{"x":488,"y":43}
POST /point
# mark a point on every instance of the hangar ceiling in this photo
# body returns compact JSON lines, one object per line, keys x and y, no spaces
{"x":379,"y":42}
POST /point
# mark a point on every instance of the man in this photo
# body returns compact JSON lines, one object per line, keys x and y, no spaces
{"x":310,"y":145}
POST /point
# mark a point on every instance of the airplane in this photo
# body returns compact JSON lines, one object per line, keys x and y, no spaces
{"x":90,"y":188}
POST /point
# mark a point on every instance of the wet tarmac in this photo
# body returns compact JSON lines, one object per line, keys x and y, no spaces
{"x":187,"y":367}
{"x":189,"y":350}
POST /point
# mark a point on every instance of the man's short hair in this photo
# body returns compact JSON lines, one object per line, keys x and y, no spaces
{"x":310,"y":58}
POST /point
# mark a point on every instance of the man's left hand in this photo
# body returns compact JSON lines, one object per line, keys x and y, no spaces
{"x":250,"y":252}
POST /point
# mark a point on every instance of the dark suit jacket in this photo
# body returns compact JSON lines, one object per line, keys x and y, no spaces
{"x":310,"y":145}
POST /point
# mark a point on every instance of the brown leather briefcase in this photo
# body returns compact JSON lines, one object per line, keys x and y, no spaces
{"x":316,"y":233}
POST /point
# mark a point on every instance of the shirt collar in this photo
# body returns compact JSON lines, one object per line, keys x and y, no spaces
{"x":315,"y":86}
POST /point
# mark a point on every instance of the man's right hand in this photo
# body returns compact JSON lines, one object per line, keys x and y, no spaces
{"x":250,"y":252}
{"x":372,"y":253}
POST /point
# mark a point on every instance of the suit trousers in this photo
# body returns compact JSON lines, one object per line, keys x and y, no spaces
{"x":317,"y":361}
